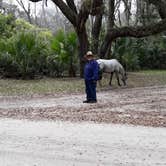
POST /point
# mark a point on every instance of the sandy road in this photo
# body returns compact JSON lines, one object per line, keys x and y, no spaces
{"x":42,"y":143}
{"x":139,"y":106}
{"x":60,"y":130}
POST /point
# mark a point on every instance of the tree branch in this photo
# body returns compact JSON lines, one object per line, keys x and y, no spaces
{"x":137,"y":32}
{"x":82,"y":16}
{"x":69,"y":14}
{"x":72,"y":5}
{"x":27,"y":11}
{"x":66,"y":10}
{"x":35,"y":0}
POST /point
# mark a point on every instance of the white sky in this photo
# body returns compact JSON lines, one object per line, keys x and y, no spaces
{"x":50,"y":4}
{"x":39,"y":4}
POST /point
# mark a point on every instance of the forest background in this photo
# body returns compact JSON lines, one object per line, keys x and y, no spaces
{"x":37,"y":40}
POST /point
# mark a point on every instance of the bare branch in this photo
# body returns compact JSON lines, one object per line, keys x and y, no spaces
{"x":66,"y":11}
{"x":27,"y":11}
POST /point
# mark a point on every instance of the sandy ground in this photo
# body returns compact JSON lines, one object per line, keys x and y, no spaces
{"x":125,"y":128}
{"x":42,"y":143}
{"x":138,"y":106}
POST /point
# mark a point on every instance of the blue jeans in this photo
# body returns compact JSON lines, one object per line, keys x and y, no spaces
{"x":90,"y":89}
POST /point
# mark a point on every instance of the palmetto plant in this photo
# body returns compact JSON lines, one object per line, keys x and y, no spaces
{"x":6,"y":25}
{"x":125,"y":50}
{"x":64,"y":48}
{"x":145,"y":53}
{"x":28,"y":51}
{"x":71,"y":47}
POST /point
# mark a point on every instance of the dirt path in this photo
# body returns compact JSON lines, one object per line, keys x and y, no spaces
{"x":139,"y":106}
{"x":27,"y":143}
{"x":62,"y":132}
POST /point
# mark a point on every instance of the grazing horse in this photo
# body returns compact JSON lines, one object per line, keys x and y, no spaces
{"x":112,"y":66}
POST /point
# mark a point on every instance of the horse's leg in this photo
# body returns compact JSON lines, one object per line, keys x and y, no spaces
{"x":112,"y":73}
{"x":117,"y":77}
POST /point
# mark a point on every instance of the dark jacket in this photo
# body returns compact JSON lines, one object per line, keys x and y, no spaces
{"x":91,"y":71}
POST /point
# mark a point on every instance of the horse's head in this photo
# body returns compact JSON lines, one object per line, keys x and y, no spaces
{"x":101,"y":67}
{"x":101,"y":64}
{"x":124,"y":78}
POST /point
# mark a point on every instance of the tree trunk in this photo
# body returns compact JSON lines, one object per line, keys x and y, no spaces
{"x":72,"y":72}
{"x":82,"y":47}
{"x":109,"y":51}
{"x":105,"y":46}
{"x":96,"y":29}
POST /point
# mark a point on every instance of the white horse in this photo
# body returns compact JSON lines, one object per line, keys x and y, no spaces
{"x":112,"y":66}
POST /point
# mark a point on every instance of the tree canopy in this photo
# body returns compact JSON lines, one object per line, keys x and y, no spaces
{"x":107,"y":13}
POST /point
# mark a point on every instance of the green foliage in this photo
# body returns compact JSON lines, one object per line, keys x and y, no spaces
{"x":58,"y":45}
{"x":31,"y":53}
{"x":130,"y":61}
{"x":145,"y":53}
{"x":125,"y":51}
{"x":6,"y":26}
{"x":64,"y":48}
{"x":23,"y":48}
{"x":27,"y":52}
{"x":8,"y":66}
{"x":21,"y":25}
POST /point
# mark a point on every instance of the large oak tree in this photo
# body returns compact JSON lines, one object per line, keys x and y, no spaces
{"x":78,"y":17}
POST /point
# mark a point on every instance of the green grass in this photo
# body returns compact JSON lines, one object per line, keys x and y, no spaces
{"x":42,"y":86}
{"x":75,"y":85}
{"x":147,"y":78}
{"x":140,"y":79}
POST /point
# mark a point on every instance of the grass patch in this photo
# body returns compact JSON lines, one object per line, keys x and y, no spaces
{"x":147,"y":78}
{"x":75,"y":85}
{"x":42,"y":86}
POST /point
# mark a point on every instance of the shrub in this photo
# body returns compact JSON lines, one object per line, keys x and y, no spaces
{"x":64,"y":48}
{"x":28,"y":51}
{"x":6,"y":26}
{"x":144,"y":53}
{"x":8,"y":67}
